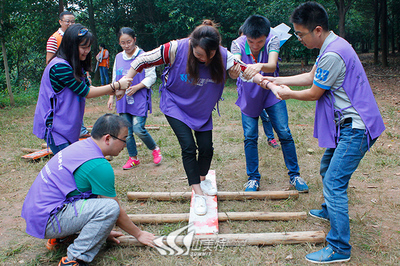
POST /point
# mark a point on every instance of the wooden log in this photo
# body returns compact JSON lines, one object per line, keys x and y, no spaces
{"x":239,"y":195}
{"x":151,"y":127}
{"x":263,"y":239}
{"x":44,"y":145}
{"x":222,"y":217}
{"x":29,"y":150}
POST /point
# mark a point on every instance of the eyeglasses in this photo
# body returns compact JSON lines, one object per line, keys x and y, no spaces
{"x":300,"y":35}
{"x":126,"y":43}
{"x":124,"y":141}
{"x":69,"y":21}
{"x":82,"y":32}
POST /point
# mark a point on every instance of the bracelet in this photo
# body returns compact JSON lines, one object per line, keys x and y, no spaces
{"x":112,"y":86}
{"x":266,"y":85}
{"x":119,"y":85}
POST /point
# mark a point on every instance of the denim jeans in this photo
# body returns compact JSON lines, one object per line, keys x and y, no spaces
{"x":195,"y":166}
{"x":337,"y":166}
{"x":53,"y":147}
{"x":103,"y":75}
{"x":267,"y":126}
{"x":279,"y":120}
{"x":95,"y":218}
{"x":138,"y":123}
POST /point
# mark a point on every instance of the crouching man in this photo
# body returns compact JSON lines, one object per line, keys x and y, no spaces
{"x":75,"y":192}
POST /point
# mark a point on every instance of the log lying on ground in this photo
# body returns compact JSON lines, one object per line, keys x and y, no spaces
{"x":29,"y":150}
{"x":245,"y":239}
{"x":239,"y":195}
{"x":222,"y":217}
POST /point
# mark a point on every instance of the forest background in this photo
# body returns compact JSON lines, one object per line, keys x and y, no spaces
{"x":369,"y":25}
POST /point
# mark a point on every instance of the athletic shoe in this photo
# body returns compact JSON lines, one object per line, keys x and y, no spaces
{"x":273,"y":143}
{"x":131,"y":163}
{"x":252,"y":185}
{"x":327,"y":255}
{"x":207,"y":188}
{"x":84,"y":136}
{"x":299,"y":184}
{"x":200,"y":205}
{"x":319,"y":214}
{"x":157,"y":157}
{"x":55,"y":243}
{"x":65,"y":261}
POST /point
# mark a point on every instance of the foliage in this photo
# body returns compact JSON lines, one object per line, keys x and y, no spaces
{"x":27,"y":24}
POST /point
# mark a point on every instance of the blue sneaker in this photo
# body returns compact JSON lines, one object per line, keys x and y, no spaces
{"x":299,"y":184}
{"x":319,"y":214}
{"x":327,"y":255}
{"x":252,"y":185}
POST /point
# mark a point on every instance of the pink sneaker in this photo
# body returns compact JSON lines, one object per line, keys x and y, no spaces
{"x":157,"y":157}
{"x":131,"y":163}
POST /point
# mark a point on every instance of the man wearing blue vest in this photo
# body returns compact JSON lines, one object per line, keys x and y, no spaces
{"x":347,"y":120}
{"x":259,"y":49}
{"x":75,"y":192}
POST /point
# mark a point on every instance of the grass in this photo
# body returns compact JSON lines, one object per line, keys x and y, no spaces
{"x":374,"y":232}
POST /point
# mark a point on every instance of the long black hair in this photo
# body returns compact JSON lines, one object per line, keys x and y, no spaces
{"x":74,"y":36}
{"x":208,"y":38}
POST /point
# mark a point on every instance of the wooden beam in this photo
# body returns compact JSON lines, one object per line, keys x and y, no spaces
{"x":262,"y":239}
{"x":222,"y":217}
{"x":239,"y":195}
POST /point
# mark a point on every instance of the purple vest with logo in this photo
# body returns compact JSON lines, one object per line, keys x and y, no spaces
{"x":358,"y":90}
{"x":252,"y":99}
{"x":190,"y":103}
{"x":67,"y":108}
{"x":49,"y":191}
{"x":142,"y":98}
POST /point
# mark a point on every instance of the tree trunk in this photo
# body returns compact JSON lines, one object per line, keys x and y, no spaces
{"x":342,"y":8}
{"x":376,"y":31}
{"x":60,"y":6}
{"x":7,"y":71}
{"x":384,"y":33}
{"x":92,"y":26}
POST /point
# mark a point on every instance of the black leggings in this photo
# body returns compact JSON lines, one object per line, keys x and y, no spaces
{"x":194,"y":167}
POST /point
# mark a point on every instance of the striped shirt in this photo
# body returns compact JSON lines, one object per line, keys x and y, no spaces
{"x":52,"y":46}
{"x":165,"y":54}
{"x":61,"y":76}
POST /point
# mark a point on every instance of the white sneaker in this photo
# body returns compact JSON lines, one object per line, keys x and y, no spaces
{"x":200,"y":205}
{"x":207,"y":187}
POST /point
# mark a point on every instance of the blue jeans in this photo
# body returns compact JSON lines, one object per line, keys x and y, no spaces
{"x":269,"y":132}
{"x":53,"y":147}
{"x":337,"y":166}
{"x":279,"y":120}
{"x":138,"y":123}
{"x":103,"y":75}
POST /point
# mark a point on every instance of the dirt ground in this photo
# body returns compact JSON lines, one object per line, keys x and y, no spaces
{"x":375,"y":193}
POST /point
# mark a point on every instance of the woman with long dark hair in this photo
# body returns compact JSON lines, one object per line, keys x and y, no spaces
{"x":193,"y":82}
{"x":64,"y":88}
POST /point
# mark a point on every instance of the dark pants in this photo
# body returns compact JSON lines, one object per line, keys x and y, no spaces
{"x":194,"y":167}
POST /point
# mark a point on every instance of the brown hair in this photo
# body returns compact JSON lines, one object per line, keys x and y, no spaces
{"x":207,"y":36}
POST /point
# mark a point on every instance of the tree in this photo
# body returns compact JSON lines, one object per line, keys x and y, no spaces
{"x":343,"y":7}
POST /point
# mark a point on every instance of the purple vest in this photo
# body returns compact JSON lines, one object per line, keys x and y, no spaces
{"x":180,"y":99}
{"x":252,"y":99}
{"x":142,"y":98}
{"x":67,"y":108}
{"x":48,"y":192}
{"x":359,"y":91}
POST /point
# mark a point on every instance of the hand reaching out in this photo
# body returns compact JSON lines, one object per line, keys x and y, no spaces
{"x":284,"y":92}
{"x":110,"y":102}
{"x":146,"y":238}
{"x":252,"y":70}
{"x":112,"y":237}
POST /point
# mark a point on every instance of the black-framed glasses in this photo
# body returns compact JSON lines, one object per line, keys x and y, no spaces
{"x":124,"y":141}
{"x":82,"y":32}
{"x":69,"y":21}
{"x":300,"y":37}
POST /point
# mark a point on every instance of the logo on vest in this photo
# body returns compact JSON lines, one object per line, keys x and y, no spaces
{"x":60,"y":167}
{"x":200,"y":82}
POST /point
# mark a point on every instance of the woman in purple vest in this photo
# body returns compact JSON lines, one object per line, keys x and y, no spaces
{"x":347,"y":120}
{"x":64,"y":89}
{"x":193,"y":82}
{"x":137,"y":101}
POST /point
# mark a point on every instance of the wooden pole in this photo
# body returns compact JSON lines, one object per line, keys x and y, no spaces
{"x":222,"y":217}
{"x":239,"y":195}
{"x":245,"y":239}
